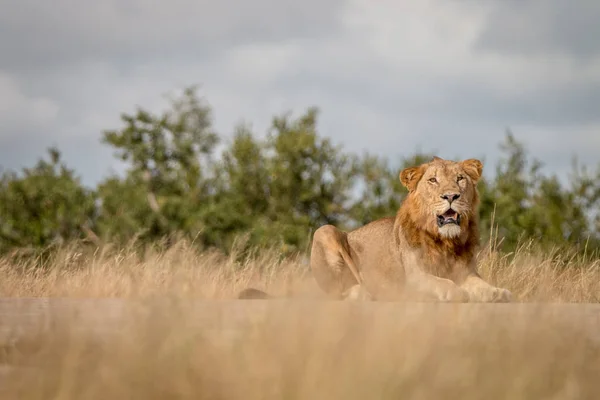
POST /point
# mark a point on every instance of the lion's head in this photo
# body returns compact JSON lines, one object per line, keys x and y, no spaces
{"x":443,"y":196}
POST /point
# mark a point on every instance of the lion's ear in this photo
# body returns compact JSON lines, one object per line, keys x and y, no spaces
{"x":473,"y":168}
{"x":410,"y":177}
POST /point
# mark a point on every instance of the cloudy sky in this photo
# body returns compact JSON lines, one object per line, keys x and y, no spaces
{"x":389,"y":76}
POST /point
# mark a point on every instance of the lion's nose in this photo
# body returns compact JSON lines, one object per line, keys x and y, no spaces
{"x":450,"y":197}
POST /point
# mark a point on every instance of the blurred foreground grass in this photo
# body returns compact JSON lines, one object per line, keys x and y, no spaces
{"x":304,"y":349}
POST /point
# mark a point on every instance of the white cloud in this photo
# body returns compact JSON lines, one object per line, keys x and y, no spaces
{"x":257,"y":65}
{"x":390,"y":77}
{"x":17,"y":108}
{"x":543,"y":27}
{"x":68,"y":31}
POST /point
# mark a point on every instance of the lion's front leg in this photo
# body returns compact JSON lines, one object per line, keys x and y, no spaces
{"x":440,"y":288}
{"x":481,"y":291}
{"x":423,"y":283}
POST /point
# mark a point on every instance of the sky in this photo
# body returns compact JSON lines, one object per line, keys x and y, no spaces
{"x":390,"y":77}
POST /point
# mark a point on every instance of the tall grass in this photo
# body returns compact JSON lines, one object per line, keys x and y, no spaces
{"x":166,"y":347}
{"x":181,"y":269}
{"x":532,"y":274}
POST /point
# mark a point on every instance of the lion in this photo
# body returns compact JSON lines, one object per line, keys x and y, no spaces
{"x":426,"y":250}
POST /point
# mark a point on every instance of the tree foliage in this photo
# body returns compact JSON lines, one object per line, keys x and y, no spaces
{"x":168,"y":179}
{"x":276,"y":188}
{"x":44,"y":205}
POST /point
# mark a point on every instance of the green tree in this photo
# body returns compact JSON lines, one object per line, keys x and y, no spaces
{"x":529,"y":205}
{"x":309,"y":180}
{"x":241,"y":195}
{"x":168,"y":178}
{"x":586,"y":192}
{"x":44,"y":205}
{"x":275,"y":190}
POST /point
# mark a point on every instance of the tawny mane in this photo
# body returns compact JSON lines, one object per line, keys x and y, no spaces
{"x":414,"y":222}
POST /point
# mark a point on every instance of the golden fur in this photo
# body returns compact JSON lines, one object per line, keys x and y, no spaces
{"x":412,"y":253}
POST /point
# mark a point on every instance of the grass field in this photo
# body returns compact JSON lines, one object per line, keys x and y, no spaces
{"x":302,"y":348}
{"x":558,"y":275}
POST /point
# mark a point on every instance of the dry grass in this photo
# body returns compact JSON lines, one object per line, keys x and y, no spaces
{"x":182,"y":270}
{"x":303,"y":349}
{"x":531,"y":274}
{"x":312,"y":350}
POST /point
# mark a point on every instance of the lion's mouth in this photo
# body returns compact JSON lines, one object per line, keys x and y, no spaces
{"x":449,"y":217}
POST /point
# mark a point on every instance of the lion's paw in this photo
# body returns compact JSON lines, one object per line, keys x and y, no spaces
{"x":453,"y":294}
{"x":357,"y":292}
{"x":491,"y":294}
{"x":505,"y":296}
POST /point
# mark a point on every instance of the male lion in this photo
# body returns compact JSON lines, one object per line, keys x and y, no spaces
{"x":428,"y":248}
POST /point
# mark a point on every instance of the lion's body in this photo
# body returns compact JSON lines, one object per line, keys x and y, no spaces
{"x":428,"y":248}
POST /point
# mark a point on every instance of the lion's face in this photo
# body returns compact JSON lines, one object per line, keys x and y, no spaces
{"x":443,"y":194}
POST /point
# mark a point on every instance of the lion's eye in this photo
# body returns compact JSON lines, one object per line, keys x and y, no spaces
{"x":432,"y":180}
{"x":460,"y":178}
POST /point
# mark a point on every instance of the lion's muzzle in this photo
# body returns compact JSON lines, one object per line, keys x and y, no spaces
{"x":449,"y":217}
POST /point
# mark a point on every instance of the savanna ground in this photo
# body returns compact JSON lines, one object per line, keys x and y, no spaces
{"x":166,"y":347}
